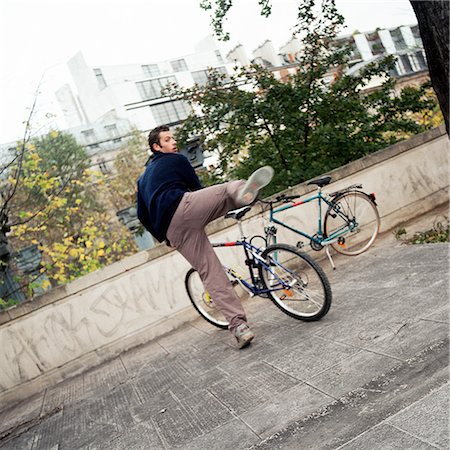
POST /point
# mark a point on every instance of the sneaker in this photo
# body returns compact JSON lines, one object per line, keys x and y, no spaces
{"x":254,"y":184}
{"x":243,"y":335}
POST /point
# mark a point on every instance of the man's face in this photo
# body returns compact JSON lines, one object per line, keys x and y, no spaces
{"x":167,"y":143}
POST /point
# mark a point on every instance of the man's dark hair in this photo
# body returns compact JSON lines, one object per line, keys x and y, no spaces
{"x":153,"y":136}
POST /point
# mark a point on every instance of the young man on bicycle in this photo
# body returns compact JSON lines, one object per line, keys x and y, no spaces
{"x":173,"y":207}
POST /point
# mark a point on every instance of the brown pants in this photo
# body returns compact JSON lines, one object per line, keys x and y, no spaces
{"x":187,"y":234}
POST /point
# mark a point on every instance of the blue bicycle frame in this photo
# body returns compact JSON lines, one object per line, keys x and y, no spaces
{"x":253,"y":260}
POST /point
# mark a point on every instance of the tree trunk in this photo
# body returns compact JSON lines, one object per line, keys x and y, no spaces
{"x":433,"y":19}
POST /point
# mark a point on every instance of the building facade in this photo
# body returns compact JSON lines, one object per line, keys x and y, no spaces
{"x":404,"y":42}
{"x":133,"y":92}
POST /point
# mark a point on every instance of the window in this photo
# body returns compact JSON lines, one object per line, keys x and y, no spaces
{"x":170,"y":112}
{"x":103,"y":166}
{"x":406,"y":63}
{"x":399,"y":42}
{"x":421,"y":61}
{"x":151,"y":89}
{"x":178,"y":65}
{"x":112,"y":131}
{"x":219,"y":56}
{"x":151,"y":70}
{"x":201,"y":76}
{"x":375,"y":44}
{"x":100,"y":79}
{"x":89,"y":136}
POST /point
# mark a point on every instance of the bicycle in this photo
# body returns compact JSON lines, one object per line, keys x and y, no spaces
{"x":351,"y":222}
{"x":290,"y":278}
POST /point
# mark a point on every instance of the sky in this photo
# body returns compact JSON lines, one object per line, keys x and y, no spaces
{"x":38,"y":37}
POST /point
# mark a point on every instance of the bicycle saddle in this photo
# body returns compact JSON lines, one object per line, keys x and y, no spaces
{"x":323,"y":181}
{"x":237,"y":213}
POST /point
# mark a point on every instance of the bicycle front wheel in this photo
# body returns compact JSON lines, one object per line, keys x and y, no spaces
{"x":353,"y":217}
{"x":296,"y":283}
{"x":202,"y":301}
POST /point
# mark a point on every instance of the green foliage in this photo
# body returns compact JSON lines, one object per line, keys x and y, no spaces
{"x":219,"y":10}
{"x":439,"y":232}
{"x":5,"y":304}
{"x":128,"y":165}
{"x":314,"y":121}
{"x":58,"y":206}
{"x":399,"y":232}
{"x":303,"y":127}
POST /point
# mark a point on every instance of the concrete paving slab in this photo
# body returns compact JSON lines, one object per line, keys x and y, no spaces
{"x":354,"y":414}
{"x":299,"y":401}
{"x":380,"y":350}
{"x":410,"y":339}
{"x":427,"y":419}
{"x":186,"y":335}
{"x":23,"y":442}
{"x":142,"y":436}
{"x":105,"y":377}
{"x":313,"y":356}
{"x":138,"y":357}
{"x":49,"y":434}
{"x":439,"y":315}
{"x":253,"y":385}
{"x":21,"y":413}
{"x":67,"y":392}
{"x":390,"y":437}
{"x":352,"y":372}
{"x":180,"y":420}
{"x":234,"y":434}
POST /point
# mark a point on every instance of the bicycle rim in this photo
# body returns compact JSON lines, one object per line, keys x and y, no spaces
{"x":298,"y":285}
{"x":202,"y":302}
{"x":356,"y":216}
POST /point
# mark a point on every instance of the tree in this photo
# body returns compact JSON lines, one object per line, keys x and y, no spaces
{"x":433,"y":20}
{"x":314,"y":122}
{"x":128,"y":166}
{"x":432,"y":17}
{"x":55,"y":207}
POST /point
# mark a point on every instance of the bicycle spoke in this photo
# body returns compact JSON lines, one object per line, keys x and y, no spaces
{"x":202,"y":301}
{"x":354,"y":221}
{"x":297,"y":285}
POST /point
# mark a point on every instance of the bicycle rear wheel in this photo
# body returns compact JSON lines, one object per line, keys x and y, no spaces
{"x":201,"y":300}
{"x":297,"y":284}
{"x":354,"y":214}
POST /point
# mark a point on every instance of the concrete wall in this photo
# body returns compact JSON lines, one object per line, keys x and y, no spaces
{"x":78,"y":325}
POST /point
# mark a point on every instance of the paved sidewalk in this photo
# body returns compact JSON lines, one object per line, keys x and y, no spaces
{"x":372,"y":374}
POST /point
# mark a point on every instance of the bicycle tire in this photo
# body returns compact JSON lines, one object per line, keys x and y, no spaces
{"x":359,"y":208}
{"x":201,"y":301}
{"x":309,"y":298}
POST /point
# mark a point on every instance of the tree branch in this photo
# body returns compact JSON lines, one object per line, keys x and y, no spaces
{"x":18,"y":172}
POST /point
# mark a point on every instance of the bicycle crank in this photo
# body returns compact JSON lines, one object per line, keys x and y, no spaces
{"x":315,"y":245}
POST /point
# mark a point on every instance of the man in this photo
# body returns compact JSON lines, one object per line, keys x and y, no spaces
{"x":173,"y":207}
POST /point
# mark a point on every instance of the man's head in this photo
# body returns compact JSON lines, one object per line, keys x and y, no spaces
{"x":160,"y":139}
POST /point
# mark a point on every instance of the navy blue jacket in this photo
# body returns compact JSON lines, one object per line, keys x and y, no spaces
{"x":160,"y":189}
